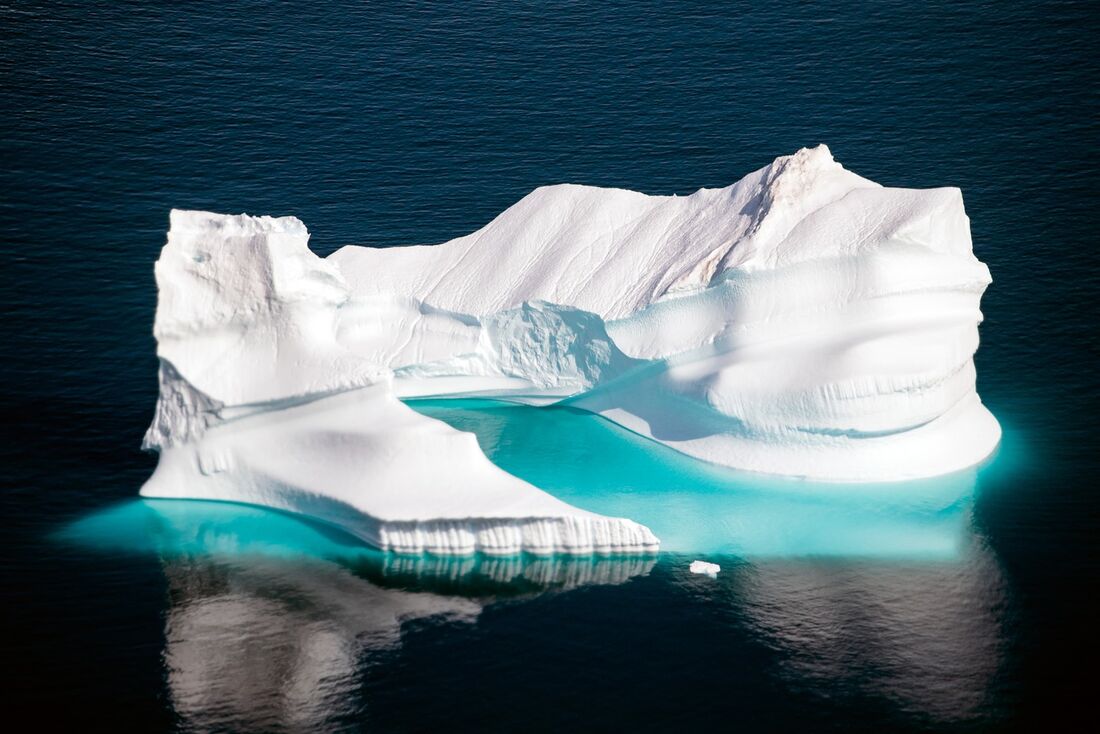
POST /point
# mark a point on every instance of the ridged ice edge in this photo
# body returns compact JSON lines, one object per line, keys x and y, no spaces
{"x":582,"y":534}
{"x":541,"y":536}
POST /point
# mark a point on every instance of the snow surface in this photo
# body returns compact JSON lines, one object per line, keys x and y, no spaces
{"x":702,"y":567}
{"x":803,"y":321}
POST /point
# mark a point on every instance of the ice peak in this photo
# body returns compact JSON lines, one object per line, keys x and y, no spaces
{"x":183,"y":220}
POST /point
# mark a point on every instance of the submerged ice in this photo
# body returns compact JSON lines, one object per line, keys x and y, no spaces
{"x":803,"y":321}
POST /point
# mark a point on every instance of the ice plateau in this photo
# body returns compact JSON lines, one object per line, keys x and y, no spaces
{"x":803,"y":321}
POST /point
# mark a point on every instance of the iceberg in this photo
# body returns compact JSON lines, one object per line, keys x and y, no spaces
{"x":705,"y":568}
{"x":803,"y":321}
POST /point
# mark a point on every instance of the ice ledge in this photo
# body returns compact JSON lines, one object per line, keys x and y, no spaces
{"x":233,"y":225}
{"x":582,"y":535}
{"x":400,"y":481}
{"x":568,"y":534}
{"x":537,"y":536}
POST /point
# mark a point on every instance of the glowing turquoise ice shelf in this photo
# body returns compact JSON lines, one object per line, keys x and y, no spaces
{"x":693,"y":507}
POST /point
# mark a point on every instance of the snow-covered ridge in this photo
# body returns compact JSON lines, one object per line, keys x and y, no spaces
{"x":802,"y":321}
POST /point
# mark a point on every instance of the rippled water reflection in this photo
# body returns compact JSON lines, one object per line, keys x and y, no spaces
{"x":276,"y":623}
{"x":927,"y":637}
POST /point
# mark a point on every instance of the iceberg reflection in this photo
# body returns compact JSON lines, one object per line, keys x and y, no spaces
{"x":927,"y":636}
{"x":276,"y":644}
{"x":277,"y":623}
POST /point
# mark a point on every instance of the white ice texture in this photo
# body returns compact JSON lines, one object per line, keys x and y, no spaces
{"x":803,"y":321}
{"x":705,"y":568}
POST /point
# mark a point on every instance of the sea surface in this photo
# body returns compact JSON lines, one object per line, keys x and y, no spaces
{"x":966,"y":604}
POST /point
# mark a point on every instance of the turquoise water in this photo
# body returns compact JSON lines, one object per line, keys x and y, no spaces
{"x":695,"y":507}
{"x":171,"y":530}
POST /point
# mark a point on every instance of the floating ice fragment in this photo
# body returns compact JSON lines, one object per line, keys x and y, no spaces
{"x":710,"y":569}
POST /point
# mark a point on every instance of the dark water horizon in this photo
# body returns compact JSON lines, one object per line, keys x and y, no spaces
{"x":411,"y":124}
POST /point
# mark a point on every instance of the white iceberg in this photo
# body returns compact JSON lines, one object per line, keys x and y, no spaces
{"x":803,"y":321}
{"x":705,"y":568}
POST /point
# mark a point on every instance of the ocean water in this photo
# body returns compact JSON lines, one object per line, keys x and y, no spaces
{"x":959,"y":605}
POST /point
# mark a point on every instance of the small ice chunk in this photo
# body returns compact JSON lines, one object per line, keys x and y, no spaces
{"x":710,"y":569}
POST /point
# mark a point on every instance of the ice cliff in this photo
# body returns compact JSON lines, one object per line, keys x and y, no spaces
{"x":803,"y":321}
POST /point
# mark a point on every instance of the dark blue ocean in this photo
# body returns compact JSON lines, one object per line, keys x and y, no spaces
{"x":403,"y":123}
